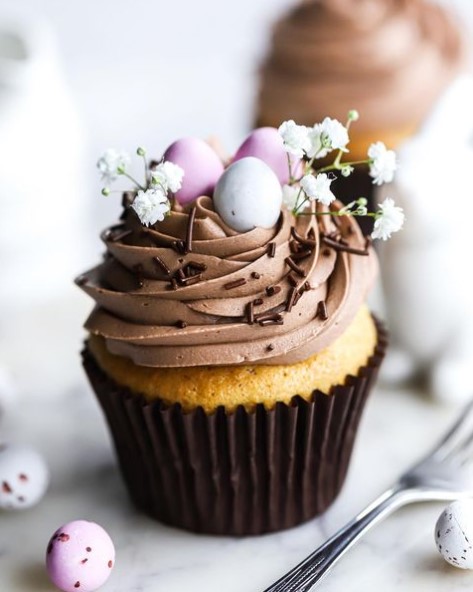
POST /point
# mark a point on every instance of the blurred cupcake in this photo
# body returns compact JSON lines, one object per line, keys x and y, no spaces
{"x":392,"y":59}
{"x":230,"y":348}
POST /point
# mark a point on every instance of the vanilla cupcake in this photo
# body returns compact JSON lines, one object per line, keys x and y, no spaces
{"x":232,"y":365}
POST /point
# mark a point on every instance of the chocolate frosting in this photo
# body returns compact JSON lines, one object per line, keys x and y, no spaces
{"x":145,"y":315}
{"x":389,"y":59}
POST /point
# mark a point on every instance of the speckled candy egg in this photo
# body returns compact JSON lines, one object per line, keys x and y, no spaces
{"x":201,"y":165}
{"x":266,"y":144}
{"x":80,"y":556}
{"x":24,"y":477}
{"x":454,"y":534}
{"x":248,"y":195}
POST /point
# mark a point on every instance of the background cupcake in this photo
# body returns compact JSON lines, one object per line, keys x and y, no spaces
{"x":230,"y":347}
{"x":405,"y":65}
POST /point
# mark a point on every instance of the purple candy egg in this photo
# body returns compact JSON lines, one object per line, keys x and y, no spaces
{"x":201,"y":164}
{"x":80,"y":556}
{"x":266,"y":144}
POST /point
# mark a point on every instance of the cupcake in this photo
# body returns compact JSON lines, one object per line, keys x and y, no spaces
{"x":393,"y":59}
{"x":230,"y":347}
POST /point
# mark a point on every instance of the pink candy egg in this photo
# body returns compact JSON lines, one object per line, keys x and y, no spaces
{"x":80,"y":557}
{"x":266,"y":144}
{"x":202,"y":167}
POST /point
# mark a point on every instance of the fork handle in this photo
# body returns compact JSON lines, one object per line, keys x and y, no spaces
{"x":312,"y":569}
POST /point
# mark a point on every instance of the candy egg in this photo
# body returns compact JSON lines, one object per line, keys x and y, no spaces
{"x":202,"y":167}
{"x":266,"y":144}
{"x":248,"y":195}
{"x":80,"y":556}
{"x":24,"y":477}
{"x":454,"y":534}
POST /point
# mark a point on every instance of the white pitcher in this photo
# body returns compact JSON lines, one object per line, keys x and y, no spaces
{"x":42,"y":181}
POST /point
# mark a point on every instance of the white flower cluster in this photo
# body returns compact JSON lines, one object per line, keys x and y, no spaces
{"x":111,"y":164}
{"x":151,"y":206}
{"x":383,"y":163}
{"x":312,"y":143}
{"x":151,"y":202}
{"x":316,"y":141}
{"x":168,"y":176}
{"x":388,"y":219}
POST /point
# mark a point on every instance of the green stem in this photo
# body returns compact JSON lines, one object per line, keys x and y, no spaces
{"x":125,"y":174}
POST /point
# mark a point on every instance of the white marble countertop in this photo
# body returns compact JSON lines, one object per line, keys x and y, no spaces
{"x":65,"y":423}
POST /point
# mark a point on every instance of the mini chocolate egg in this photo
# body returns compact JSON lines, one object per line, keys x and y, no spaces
{"x":201,"y":165}
{"x":80,"y":556}
{"x":248,"y":195}
{"x":24,"y":477}
{"x":266,"y":144}
{"x":454,"y":534}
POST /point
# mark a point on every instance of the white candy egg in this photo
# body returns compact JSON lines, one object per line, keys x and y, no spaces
{"x":24,"y":477}
{"x":248,"y":195}
{"x":454,"y":534}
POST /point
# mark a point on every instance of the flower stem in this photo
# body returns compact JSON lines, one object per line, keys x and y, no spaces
{"x":125,"y":174}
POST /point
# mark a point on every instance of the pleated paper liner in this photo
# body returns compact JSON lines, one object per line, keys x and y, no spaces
{"x":241,"y":473}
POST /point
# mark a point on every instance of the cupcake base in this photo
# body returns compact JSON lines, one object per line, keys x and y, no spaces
{"x":244,"y":473}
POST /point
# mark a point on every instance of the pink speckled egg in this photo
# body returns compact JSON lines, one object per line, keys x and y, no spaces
{"x":201,"y":164}
{"x":266,"y":144}
{"x":80,"y":556}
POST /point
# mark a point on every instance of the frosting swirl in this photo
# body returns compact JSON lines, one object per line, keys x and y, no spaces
{"x":390,"y":59}
{"x":233,"y":298}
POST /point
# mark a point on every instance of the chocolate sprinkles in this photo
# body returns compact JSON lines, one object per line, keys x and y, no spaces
{"x":339,"y":246}
{"x":258,"y":301}
{"x":181,"y":324}
{"x":235,"y":284}
{"x":250,"y":316}
{"x":322,"y":310}
{"x":179,"y":246}
{"x":190,"y":229}
{"x":271,"y":249}
{"x":114,"y":238}
{"x":293,"y":265}
{"x":292,"y":297}
{"x":161,"y":264}
{"x":272,"y":290}
{"x":255,"y":275}
{"x":292,"y":280}
{"x":304,"y":241}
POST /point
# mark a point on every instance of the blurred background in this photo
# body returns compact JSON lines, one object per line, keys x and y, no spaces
{"x":75,"y":79}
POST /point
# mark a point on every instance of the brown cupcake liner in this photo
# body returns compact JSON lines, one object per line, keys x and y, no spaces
{"x":241,"y":473}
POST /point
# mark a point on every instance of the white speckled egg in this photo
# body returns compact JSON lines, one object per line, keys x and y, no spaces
{"x":248,"y":195}
{"x":266,"y":144}
{"x":454,"y":534}
{"x":24,"y":477}
{"x":201,"y":165}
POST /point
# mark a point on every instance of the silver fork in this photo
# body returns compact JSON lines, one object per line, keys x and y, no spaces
{"x":444,"y":474}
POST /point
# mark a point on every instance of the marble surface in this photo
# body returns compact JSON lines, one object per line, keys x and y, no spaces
{"x":57,"y":413}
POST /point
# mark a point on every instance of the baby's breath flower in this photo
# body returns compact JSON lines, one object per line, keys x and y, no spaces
{"x":168,"y":175}
{"x":383,"y":163}
{"x":327,"y":136}
{"x":388,"y":219}
{"x":111,"y":164}
{"x":353,"y":115}
{"x":151,"y":205}
{"x":289,"y":196}
{"x":294,"y":137}
{"x":317,"y":188}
